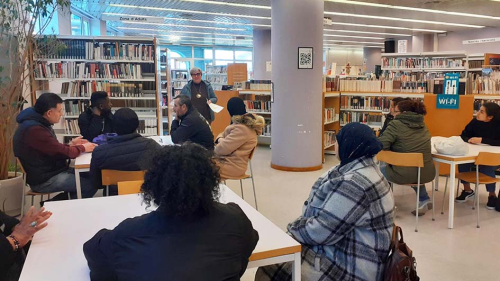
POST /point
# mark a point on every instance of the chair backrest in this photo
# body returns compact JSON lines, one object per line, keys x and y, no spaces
{"x":112,"y":177}
{"x":401,"y":159}
{"x":488,"y":159}
{"x":129,"y":187}
{"x":251,"y":154}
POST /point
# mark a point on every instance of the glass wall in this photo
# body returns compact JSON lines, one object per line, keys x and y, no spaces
{"x":79,"y":25}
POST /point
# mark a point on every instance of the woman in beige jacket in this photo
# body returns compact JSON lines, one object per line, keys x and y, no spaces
{"x":234,"y":146}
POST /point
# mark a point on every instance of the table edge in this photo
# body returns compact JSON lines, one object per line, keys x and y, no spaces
{"x":275,"y":253}
{"x":453,"y":159}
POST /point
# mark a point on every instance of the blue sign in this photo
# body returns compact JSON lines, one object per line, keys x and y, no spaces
{"x":450,"y":98}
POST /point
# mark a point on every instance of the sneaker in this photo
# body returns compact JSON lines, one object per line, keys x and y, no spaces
{"x":423,"y":207}
{"x":492,"y":202}
{"x":466,"y":195}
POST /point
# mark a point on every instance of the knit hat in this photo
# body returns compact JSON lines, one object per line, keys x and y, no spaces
{"x":236,"y":106}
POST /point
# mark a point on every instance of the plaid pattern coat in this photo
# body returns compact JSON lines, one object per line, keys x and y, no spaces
{"x":345,"y":228}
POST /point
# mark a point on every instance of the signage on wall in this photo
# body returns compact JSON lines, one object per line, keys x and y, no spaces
{"x":402,"y":46}
{"x":481,"y":41}
{"x":450,"y":98}
{"x":132,"y":18}
{"x":305,"y":59}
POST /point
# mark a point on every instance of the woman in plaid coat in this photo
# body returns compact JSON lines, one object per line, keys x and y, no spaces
{"x":346,"y":225}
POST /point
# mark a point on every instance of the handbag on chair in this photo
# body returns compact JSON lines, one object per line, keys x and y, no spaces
{"x":400,"y":264}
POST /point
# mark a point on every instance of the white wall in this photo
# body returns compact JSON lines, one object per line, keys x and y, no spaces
{"x":261,"y":54}
{"x":372,"y":57}
{"x":453,"y":41}
{"x":343,"y":56}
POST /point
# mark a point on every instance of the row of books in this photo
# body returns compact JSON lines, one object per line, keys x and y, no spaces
{"x":382,"y":86}
{"x":330,"y":137}
{"x":362,"y":117}
{"x":266,"y":131}
{"x":91,"y":50}
{"x":479,"y":103}
{"x":476,"y":64}
{"x":216,"y":69}
{"x":330,"y":115}
{"x":368,"y":103}
{"x":148,"y":126}
{"x":258,"y":106}
{"x":421,"y":63}
{"x":71,"y":126}
{"x":92,"y":70}
{"x":75,"y":107}
{"x":179,"y":84}
{"x":217,"y":79}
{"x":260,"y":85}
{"x":179,"y":75}
{"x":86,"y":88}
{"x":484,"y":85}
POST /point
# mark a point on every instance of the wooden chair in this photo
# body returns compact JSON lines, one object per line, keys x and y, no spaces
{"x":129,"y":187}
{"x":112,"y":177}
{"x":27,"y":190}
{"x":407,"y":160}
{"x":477,"y":178}
{"x":244,"y":177}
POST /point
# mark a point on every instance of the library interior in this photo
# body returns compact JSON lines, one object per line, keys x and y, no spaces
{"x":249,"y":140}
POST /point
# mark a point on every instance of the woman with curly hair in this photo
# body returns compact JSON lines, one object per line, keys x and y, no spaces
{"x":190,"y":236}
{"x":234,"y":146}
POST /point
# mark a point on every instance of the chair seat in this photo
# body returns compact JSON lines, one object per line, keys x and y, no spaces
{"x":33,"y":193}
{"x":238,"y":178}
{"x":471,"y":178}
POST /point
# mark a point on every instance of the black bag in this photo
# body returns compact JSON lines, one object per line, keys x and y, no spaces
{"x":400,"y":264}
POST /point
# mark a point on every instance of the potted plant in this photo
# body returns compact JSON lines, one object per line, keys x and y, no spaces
{"x":21,"y":23}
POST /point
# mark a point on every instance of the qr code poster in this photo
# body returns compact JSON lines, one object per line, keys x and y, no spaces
{"x":305,"y":57}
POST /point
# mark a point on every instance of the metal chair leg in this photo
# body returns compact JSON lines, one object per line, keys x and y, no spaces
{"x":477,"y":202}
{"x":241,"y":187}
{"x":433,"y":208}
{"x":253,"y":185}
{"x":32,"y":199}
{"x":444,"y":196}
{"x":418,"y":197}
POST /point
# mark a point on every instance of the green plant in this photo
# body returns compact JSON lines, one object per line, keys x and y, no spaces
{"x":21,"y":24}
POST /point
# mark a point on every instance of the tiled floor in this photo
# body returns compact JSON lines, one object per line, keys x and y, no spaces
{"x":463,"y":253}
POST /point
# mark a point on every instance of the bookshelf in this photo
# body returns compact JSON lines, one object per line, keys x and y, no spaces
{"x":331,"y":125}
{"x":217,"y":76}
{"x":259,"y":102}
{"x":179,"y":78}
{"x":127,"y":68}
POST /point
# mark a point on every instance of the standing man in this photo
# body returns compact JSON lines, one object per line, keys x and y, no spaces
{"x":97,"y":119}
{"x":43,"y":157}
{"x":201,"y":94}
{"x":189,"y":125}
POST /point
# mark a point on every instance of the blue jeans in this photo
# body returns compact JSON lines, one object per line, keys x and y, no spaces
{"x":487,"y":170}
{"x":65,"y":181}
{"x":423,"y":191}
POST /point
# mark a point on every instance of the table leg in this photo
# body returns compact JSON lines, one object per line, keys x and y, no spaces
{"x":436,"y":181}
{"x":78,"y":184}
{"x":296,"y":267}
{"x":451,"y":211}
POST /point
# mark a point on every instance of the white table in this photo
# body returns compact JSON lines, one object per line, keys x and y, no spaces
{"x":82,"y":162}
{"x":456,"y":160}
{"x":56,"y":252}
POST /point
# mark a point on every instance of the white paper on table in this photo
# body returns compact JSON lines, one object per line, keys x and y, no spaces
{"x":216,"y":108}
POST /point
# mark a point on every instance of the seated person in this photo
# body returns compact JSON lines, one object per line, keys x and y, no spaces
{"x":14,"y":236}
{"x":97,"y":119}
{"x":407,"y":133}
{"x":389,"y":117}
{"x":346,"y":224}
{"x":190,"y":236}
{"x":189,"y":125}
{"x":43,"y":157}
{"x":125,"y":152}
{"x":485,"y":128}
{"x":234,"y":145}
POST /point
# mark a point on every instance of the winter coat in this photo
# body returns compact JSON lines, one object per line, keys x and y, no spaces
{"x":235,"y":144}
{"x":92,"y":125}
{"x":186,"y":90}
{"x":407,"y":133}
{"x":194,"y":128}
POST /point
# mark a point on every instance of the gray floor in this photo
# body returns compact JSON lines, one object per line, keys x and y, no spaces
{"x":462,"y":253}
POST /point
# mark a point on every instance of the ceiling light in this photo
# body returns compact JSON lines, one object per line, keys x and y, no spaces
{"x":368,"y":32}
{"x":351,"y":36}
{"x":199,"y":37}
{"x":353,"y":45}
{"x":387,"y":27}
{"x":180,"y":31}
{"x":174,"y":38}
{"x":401,"y":19}
{"x":190,"y":26}
{"x":229,"y":4}
{"x":188,"y":11}
{"x":376,"y":43}
{"x":413,"y":9}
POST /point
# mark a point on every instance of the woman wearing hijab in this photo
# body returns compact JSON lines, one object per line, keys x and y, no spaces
{"x":234,"y":146}
{"x":346,"y":225}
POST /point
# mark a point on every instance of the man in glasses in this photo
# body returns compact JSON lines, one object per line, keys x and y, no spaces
{"x":201,"y":94}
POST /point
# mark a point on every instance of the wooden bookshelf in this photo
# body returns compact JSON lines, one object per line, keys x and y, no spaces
{"x":236,"y":72}
{"x":330,"y":100}
{"x":264,"y":96}
{"x":98,"y":64}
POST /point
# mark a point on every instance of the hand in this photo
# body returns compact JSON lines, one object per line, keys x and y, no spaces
{"x":89,"y":147}
{"x":78,"y":141}
{"x":475,"y":140}
{"x":24,"y":232}
{"x":96,"y":111}
{"x":209,"y":101}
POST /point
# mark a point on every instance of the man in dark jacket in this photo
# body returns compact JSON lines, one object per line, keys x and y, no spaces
{"x":97,"y":119}
{"x":124,"y":152}
{"x":189,"y":125}
{"x":43,"y":157}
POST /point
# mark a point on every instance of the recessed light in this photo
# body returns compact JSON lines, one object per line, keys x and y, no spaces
{"x":367,"y":32}
{"x":190,"y":26}
{"x":180,"y":31}
{"x":229,"y":4}
{"x":387,"y":27}
{"x":352,"y":36}
{"x":199,"y":37}
{"x":376,"y":43}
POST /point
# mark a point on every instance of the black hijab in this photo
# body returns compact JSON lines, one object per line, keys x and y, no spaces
{"x":356,"y":140}
{"x":236,"y":106}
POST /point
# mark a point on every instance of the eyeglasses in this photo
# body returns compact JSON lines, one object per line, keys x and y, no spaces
{"x":196,"y":74}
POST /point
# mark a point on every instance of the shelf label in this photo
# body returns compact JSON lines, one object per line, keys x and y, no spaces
{"x":449,"y":99}
{"x":134,"y":19}
{"x":481,"y":41}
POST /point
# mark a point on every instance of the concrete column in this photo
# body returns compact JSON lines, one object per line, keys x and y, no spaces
{"x":373,"y":57}
{"x":261,"y":54}
{"x":98,"y":27}
{"x":63,"y":21}
{"x":297,"y":109}
{"x":417,"y":45}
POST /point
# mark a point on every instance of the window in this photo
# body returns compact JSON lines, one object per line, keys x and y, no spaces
{"x":243,"y":55}
{"x":224,"y":55}
{"x":79,"y":25}
{"x":183,"y":51}
{"x":203,"y":53}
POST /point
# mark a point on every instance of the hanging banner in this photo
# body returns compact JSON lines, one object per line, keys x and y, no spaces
{"x":450,"y":98}
{"x":132,"y":18}
{"x":481,"y":41}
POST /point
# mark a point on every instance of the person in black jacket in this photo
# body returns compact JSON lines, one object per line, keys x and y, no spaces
{"x":190,"y":236}
{"x":485,"y":128}
{"x":14,"y":238}
{"x":189,"y":125}
{"x":390,"y":116}
{"x":97,"y":119}
{"x":125,"y":152}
